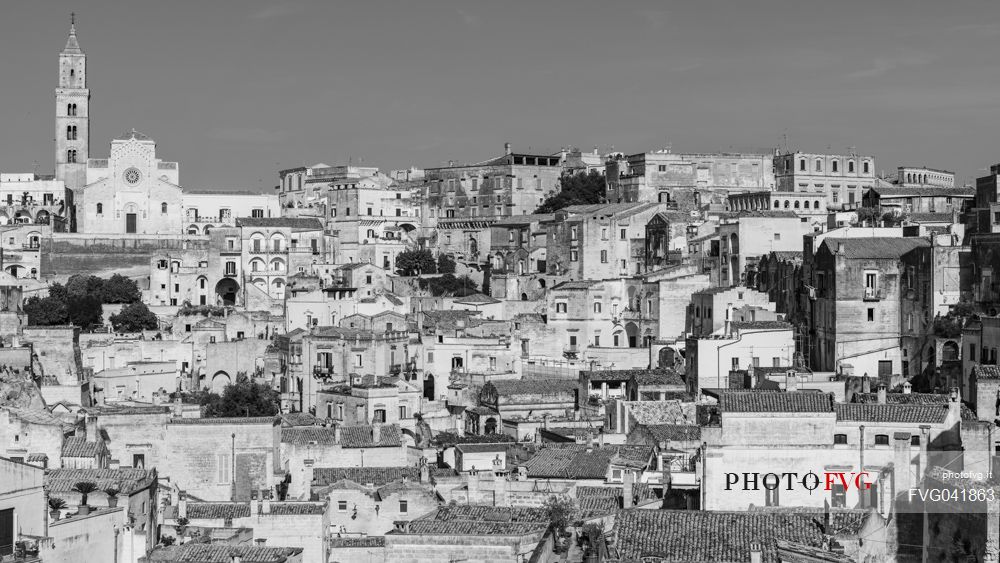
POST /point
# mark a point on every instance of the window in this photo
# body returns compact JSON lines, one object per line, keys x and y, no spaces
{"x":340,"y":411}
{"x":342,"y":506}
{"x":560,"y":307}
{"x":604,"y":256}
{"x":604,"y":234}
{"x":163,"y":207}
{"x":357,"y":360}
{"x":881,"y":439}
{"x":802,"y":165}
{"x":597,"y":340}
{"x":771,"y":495}
{"x":572,"y":233}
{"x":819,"y":165}
{"x":597,"y":306}
{"x":224,"y":468}
{"x":574,"y":256}
{"x":777,"y":236}
{"x":622,"y":234}
{"x":403,"y":507}
{"x":616,"y":339}
{"x":833,"y":166}
{"x":972,"y":352}
{"x":850,"y":166}
{"x":230,"y":268}
{"x":71,"y":155}
{"x":865,"y":167}
{"x":840,"y":439}
{"x":915,"y":440}
{"x":736,"y":363}
{"x":402,"y":411}
{"x":139,"y":461}
{"x":871,"y":315}
{"x":838,"y":496}
{"x":100,"y":208}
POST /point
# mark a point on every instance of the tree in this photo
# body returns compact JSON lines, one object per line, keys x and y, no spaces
{"x":243,"y":398}
{"x":119,"y":289}
{"x":84,"y":488}
{"x":133,"y":318}
{"x":582,"y":189}
{"x":46,"y":311}
{"x":560,"y":510}
{"x":867,"y":216}
{"x":415,"y":262}
{"x":445,"y":264}
{"x":81,"y":284}
{"x":84,"y":311}
{"x":448,"y":284}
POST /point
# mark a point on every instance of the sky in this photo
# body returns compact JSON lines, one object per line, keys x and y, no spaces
{"x":236,"y":90}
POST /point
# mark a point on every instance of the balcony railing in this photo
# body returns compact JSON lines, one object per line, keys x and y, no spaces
{"x":32,"y":246}
{"x":873,"y":294}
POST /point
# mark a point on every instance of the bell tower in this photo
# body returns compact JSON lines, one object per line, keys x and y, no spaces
{"x":72,"y":115}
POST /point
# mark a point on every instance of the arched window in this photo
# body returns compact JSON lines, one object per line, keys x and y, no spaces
{"x":796,"y":204}
{"x":163,"y":207}
{"x":805,"y":204}
{"x":72,"y":73}
{"x":71,"y":110}
{"x":100,"y":208}
{"x":201,"y":283}
{"x":777,"y":204}
{"x":816,"y":204}
{"x":71,"y":155}
{"x":786,"y":204}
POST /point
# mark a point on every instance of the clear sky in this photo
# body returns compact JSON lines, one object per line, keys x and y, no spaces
{"x":237,"y":89}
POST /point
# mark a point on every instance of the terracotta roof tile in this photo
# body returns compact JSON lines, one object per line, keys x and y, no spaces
{"x":377,"y":476}
{"x":222,"y":553}
{"x":573,"y":461}
{"x":875,"y":248}
{"x":507,"y":387}
{"x":79,"y":447}
{"x":355,"y":436}
{"x":217,"y":510}
{"x":226,"y":420}
{"x":987,"y":372}
{"x":675,"y":432}
{"x":771,"y":401}
{"x":127,"y":481}
{"x":898,"y":413}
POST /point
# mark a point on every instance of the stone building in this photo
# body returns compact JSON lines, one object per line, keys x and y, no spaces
{"x":34,"y":199}
{"x":205,"y":210}
{"x":519,"y":262}
{"x":747,"y":236}
{"x":918,"y":199}
{"x":908,"y":176}
{"x":857,"y":318}
{"x":711,"y":310}
{"x":131,"y":192}
{"x":803,"y":204}
{"x":685,"y":179}
{"x":665,"y":240}
{"x":841,"y":179}
{"x":277,"y":247}
{"x":711,"y":358}
{"x":21,"y":244}
{"x":465,"y":200}
{"x":72,"y":139}
{"x":372,"y":219}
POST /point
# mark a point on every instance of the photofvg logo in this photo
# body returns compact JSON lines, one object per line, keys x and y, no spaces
{"x":790,"y":480}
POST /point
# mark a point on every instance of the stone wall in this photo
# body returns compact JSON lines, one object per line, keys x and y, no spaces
{"x":66,"y":254}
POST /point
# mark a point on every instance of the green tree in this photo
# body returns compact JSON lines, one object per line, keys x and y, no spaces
{"x":46,"y":311}
{"x":582,"y":189}
{"x":119,"y":289}
{"x":560,"y":510}
{"x":133,"y":318}
{"x":85,"y":311}
{"x":415,"y":262}
{"x":445,"y":264}
{"x":243,"y":398}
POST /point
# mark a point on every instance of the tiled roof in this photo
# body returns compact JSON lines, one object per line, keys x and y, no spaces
{"x":534,"y":386}
{"x":79,"y":447}
{"x":481,"y":520}
{"x":573,"y":461}
{"x":914,"y":399}
{"x":524,"y":219}
{"x":299,"y":419}
{"x":929,"y":217}
{"x":770,"y":401}
{"x":127,"y":481}
{"x":761,"y":325}
{"x":446,"y":439}
{"x":600,"y":501}
{"x":897,"y":191}
{"x":986,"y":372}
{"x":875,"y":248}
{"x":722,"y":537}
{"x":355,"y":436}
{"x":297,"y":508}
{"x":661,"y":412}
{"x":38,"y":416}
{"x":898,"y":413}
{"x":481,"y":448}
{"x":377,"y":476}
{"x":581,"y":284}
{"x":658,"y":377}
{"x":223,"y":553}
{"x":298,"y":223}
{"x":476,"y":299}
{"x":368,"y":541}
{"x":217,"y":510}
{"x":227,"y":420}
{"x":675,"y":432}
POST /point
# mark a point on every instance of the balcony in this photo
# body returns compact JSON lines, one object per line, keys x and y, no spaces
{"x":32,"y":246}
{"x":571,"y":352}
{"x":873,"y":294}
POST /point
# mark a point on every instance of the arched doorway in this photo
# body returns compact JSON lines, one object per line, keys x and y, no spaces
{"x":632,"y":331}
{"x":491,"y":426}
{"x":219,"y":381}
{"x":14,"y":270}
{"x":949,"y":351}
{"x":226,"y":290}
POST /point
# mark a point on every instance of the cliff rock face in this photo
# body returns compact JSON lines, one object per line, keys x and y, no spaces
{"x":18,"y":390}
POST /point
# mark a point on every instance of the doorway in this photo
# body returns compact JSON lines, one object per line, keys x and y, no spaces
{"x":130,"y":222}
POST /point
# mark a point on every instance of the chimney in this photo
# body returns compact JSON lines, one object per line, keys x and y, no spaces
{"x":791,"y":381}
{"x":590,"y":441}
{"x":425,"y":472}
{"x":881,"y":393}
{"x":506,"y":148}
{"x":376,"y":433}
{"x":907,"y":388}
{"x":955,"y":404}
{"x":90,"y":423}
{"x":307,"y":479}
{"x":336,"y":433}
{"x":265,"y":501}
{"x":236,"y":559}
{"x":901,"y":465}
{"x":182,"y":504}
{"x":254,"y":503}
{"x":755,"y":552}
{"x":866,"y":384}
{"x":627,"y":486}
